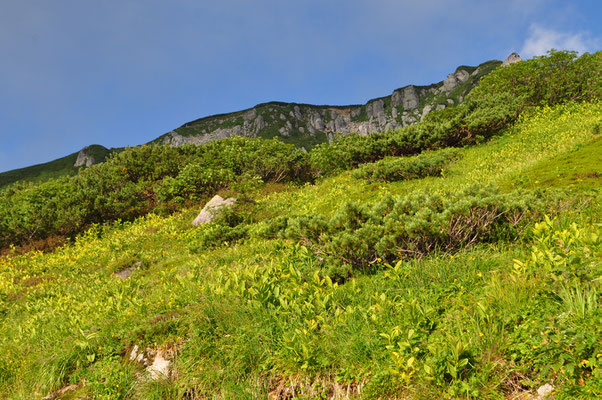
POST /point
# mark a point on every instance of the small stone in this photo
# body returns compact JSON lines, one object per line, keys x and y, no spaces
{"x":125,"y":273}
{"x":134,"y":353}
{"x":544,"y":391}
{"x":159,"y":369}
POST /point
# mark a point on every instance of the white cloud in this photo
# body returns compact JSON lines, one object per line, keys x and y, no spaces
{"x":541,"y":40}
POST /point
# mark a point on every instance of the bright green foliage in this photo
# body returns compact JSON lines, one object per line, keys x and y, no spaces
{"x":357,"y":237}
{"x":555,"y":78}
{"x":400,"y":169}
{"x":246,"y":316}
{"x":195,"y":182}
{"x":133,"y":182}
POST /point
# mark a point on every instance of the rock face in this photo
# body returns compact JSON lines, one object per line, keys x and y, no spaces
{"x":511,"y":59}
{"x":84,"y":158}
{"x":307,"y":125}
{"x":212,"y":208}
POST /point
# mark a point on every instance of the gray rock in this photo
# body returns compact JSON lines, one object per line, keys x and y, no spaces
{"x":340,"y":125}
{"x":159,"y":369}
{"x":125,"y":273}
{"x":511,"y":59}
{"x":258,"y":124}
{"x":406,"y":97}
{"x":84,"y":158}
{"x":212,"y":208}
{"x":462,"y":75}
{"x":454,"y":80}
{"x":250,"y":115}
{"x":427,"y":109}
{"x":316,"y":122}
{"x":375,"y":108}
{"x":544,"y":391}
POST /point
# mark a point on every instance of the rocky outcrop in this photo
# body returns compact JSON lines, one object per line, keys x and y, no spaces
{"x":407,"y":98}
{"x":511,"y":59}
{"x":306,"y":125}
{"x":454,"y":80}
{"x":84,"y":158}
{"x":212,"y":208}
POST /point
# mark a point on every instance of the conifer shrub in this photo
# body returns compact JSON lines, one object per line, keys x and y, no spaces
{"x":357,"y":237}
{"x":214,"y":235}
{"x":142,"y":179}
{"x":406,"y":168}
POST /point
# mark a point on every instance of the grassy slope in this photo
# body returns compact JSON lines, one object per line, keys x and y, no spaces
{"x":53,"y":169}
{"x":64,"y":317}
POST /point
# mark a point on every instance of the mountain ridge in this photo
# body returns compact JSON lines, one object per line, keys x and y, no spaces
{"x":306,"y":125}
{"x":302,"y":124}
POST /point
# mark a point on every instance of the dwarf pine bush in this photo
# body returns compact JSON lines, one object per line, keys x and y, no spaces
{"x":406,"y":168}
{"x":415,"y":226}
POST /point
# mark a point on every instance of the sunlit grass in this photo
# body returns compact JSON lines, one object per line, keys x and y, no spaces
{"x":246,"y":319}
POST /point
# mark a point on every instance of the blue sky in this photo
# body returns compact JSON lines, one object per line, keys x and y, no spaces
{"x":118,"y":73}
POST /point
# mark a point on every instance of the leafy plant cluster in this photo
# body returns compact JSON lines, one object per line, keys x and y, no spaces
{"x":406,"y":168}
{"x":139,"y":180}
{"x":358,"y":236}
{"x":270,"y":318}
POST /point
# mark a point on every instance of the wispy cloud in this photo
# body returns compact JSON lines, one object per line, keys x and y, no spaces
{"x":541,"y":40}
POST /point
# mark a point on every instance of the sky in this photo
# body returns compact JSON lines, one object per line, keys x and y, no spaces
{"x":123,"y":72}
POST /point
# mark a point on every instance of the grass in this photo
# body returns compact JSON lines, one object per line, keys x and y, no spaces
{"x":260,"y":317}
{"x":580,"y":167}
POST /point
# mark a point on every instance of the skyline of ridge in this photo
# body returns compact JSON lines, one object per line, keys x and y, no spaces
{"x":121,"y":74}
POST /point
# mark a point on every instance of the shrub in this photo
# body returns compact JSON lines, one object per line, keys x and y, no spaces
{"x":405,"y":168}
{"x":416,"y":226}
{"x":194,"y":182}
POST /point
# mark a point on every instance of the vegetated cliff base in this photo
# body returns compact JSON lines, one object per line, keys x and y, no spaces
{"x":306,"y":125}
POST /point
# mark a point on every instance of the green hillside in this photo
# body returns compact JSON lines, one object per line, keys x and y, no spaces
{"x":458,"y":258}
{"x":54,"y":169}
{"x":302,"y":125}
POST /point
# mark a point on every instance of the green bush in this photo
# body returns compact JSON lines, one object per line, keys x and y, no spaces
{"x":194,"y":182}
{"x":141,"y":179}
{"x":405,"y":168}
{"x":216,"y":234}
{"x":359,"y":236}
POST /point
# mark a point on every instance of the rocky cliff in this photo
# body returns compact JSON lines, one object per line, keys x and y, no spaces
{"x":307,"y":125}
{"x":84,"y":158}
